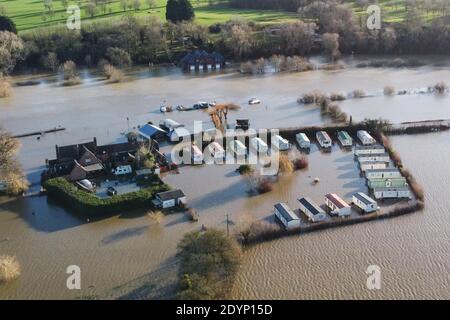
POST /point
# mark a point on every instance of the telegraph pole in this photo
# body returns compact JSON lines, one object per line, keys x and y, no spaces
{"x":228,"y":228}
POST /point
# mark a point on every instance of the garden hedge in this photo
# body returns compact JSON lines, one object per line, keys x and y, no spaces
{"x":86,"y":203}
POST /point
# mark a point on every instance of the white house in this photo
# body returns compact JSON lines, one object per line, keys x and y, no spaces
{"x":370,"y":165}
{"x":364,"y":202}
{"x":383,"y":173}
{"x":286,"y":216}
{"x":312,"y":211}
{"x":324,"y":139}
{"x":303,"y":140}
{"x":280,"y":143}
{"x":389,"y":193}
{"x":365,"y":137}
{"x":374,"y":157}
{"x":169,"y":199}
{"x":337,"y":205}
{"x":259,"y":145}
{"x":369,"y":149}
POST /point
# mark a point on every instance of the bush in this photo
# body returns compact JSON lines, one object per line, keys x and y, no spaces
{"x":337,"y":96}
{"x":208,"y":262}
{"x":112,"y":74}
{"x":118,"y":57}
{"x":254,"y":231}
{"x":245,"y":169}
{"x":358,"y":93}
{"x":301,"y":163}
{"x":192,"y":214}
{"x":9,"y":268}
{"x":389,"y":91}
{"x":440,"y":87}
{"x":5,"y":88}
{"x":312,"y":97}
{"x":89,"y":204}
{"x":264,"y":185}
{"x":156,"y":216}
{"x":285,"y":164}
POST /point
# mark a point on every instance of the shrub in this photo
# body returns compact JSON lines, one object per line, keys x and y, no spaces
{"x":112,"y":74}
{"x":358,"y":93}
{"x":118,"y":57}
{"x":208,"y":262}
{"x":251,"y":231}
{"x":5,"y":88}
{"x":440,"y":87}
{"x":69,"y":69}
{"x":337,"y":96}
{"x":245,"y":169}
{"x":156,"y":216}
{"x":301,"y":163}
{"x":389,"y":91}
{"x":264,"y":185}
{"x":192,"y":214}
{"x":285,"y":164}
{"x":312,"y":97}
{"x":89,"y":204}
{"x":9,"y":268}
{"x":246,"y":67}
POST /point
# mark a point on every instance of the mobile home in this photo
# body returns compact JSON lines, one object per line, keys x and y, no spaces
{"x":312,"y":211}
{"x":370,"y":165}
{"x":386,"y":183}
{"x":365,"y":137}
{"x":259,"y":145}
{"x":303,"y":140}
{"x":286,"y":216}
{"x":383,"y":173}
{"x":280,"y":143}
{"x":364,"y":202}
{"x":369,"y":149}
{"x":390,"y":193}
{"x":374,"y":157}
{"x":345,"y":138}
{"x":216,"y":150}
{"x":238,"y":148}
{"x":179,"y":133}
{"x":196,"y":154}
{"x":337,"y":205}
{"x":169,"y":124}
{"x":169,"y":199}
{"x":324,"y":139}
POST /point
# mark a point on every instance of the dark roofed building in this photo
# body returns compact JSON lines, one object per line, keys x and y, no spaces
{"x":202,"y":61}
{"x":169,"y":199}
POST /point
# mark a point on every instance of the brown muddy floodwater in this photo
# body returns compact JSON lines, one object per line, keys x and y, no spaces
{"x":129,"y":256}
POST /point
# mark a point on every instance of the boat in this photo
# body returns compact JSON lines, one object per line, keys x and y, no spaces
{"x":253,"y":101}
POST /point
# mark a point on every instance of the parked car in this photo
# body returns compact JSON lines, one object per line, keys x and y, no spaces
{"x":111,"y":191}
{"x":121,"y":170}
{"x":180,"y":107}
{"x":254,"y":101}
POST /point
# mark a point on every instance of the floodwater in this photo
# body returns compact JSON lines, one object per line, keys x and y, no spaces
{"x":412,"y":251}
{"x":130,"y":256}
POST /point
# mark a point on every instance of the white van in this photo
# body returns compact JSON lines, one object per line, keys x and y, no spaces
{"x":238,"y":148}
{"x":280,"y":143}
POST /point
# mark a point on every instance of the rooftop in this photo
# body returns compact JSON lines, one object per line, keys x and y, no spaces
{"x":336,"y":200}
{"x":364,"y":198}
{"x":311,"y":206}
{"x":171,"y":194}
{"x":285,"y":211}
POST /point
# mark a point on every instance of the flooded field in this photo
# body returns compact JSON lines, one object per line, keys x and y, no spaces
{"x":130,"y":256}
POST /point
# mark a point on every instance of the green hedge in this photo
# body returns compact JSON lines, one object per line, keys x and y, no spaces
{"x":89,"y":204}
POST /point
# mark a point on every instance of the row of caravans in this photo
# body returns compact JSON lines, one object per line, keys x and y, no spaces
{"x":238,"y":148}
{"x":314,"y":212}
{"x":324,"y":139}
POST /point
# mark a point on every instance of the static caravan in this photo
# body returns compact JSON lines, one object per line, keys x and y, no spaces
{"x":178,"y":134}
{"x":312,"y":211}
{"x":169,"y":124}
{"x":259,"y":145}
{"x":280,"y":143}
{"x":169,"y":199}
{"x":345,"y":138}
{"x":383,"y":173}
{"x":374,"y":157}
{"x":286,"y":216}
{"x":365,"y":137}
{"x":370,"y":165}
{"x":238,"y":148}
{"x":216,"y":150}
{"x":303,"y":140}
{"x":196,"y":155}
{"x":337,"y":205}
{"x":324,"y":139}
{"x":390,"y":193}
{"x":387,"y":183}
{"x":369,"y":149}
{"x":364,"y":202}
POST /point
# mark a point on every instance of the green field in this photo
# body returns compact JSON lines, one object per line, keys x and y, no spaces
{"x":30,"y":14}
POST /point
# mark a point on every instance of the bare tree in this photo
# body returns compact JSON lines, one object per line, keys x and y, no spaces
{"x":330,"y":42}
